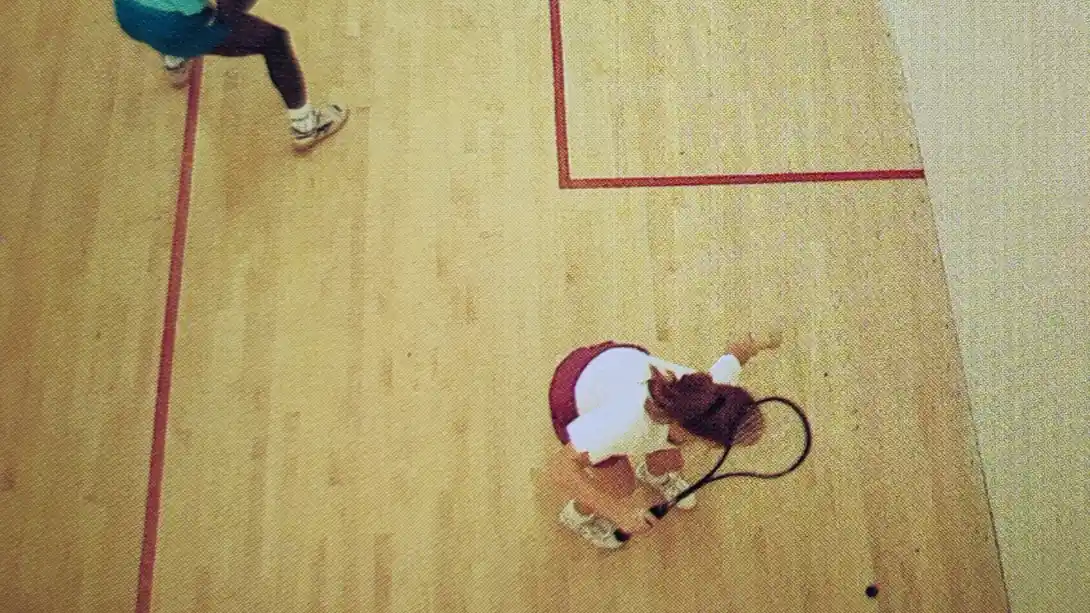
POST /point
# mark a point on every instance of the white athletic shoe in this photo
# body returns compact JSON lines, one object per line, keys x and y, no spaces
{"x":669,"y":485}
{"x":178,"y":74}
{"x":327,"y":120}
{"x":597,"y":530}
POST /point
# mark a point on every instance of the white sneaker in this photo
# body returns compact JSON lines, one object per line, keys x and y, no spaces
{"x":327,"y":121}
{"x":597,"y":530}
{"x":178,"y":74}
{"x":669,"y":485}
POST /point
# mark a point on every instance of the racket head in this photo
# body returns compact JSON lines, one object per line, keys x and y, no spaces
{"x":784,"y":444}
{"x":778,"y":427}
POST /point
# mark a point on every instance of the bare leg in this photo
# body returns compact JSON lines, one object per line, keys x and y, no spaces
{"x":665,"y":461}
{"x":617,"y":480}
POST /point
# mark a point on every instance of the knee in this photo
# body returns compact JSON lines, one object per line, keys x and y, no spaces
{"x":269,"y":38}
{"x":623,"y":486}
{"x":666,"y":460}
{"x":616,"y":477}
{"x":279,"y":38}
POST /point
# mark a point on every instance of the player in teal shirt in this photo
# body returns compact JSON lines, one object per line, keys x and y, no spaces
{"x":182,"y":30}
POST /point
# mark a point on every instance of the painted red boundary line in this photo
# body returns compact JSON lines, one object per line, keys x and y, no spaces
{"x":796,"y":177}
{"x":563,"y":163}
{"x":166,"y":353}
{"x":564,"y":158}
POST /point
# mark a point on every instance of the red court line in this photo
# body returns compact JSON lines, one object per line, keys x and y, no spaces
{"x":564,"y":158}
{"x":166,"y":352}
{"x":563,"y":163}
{"x":751,"y":179}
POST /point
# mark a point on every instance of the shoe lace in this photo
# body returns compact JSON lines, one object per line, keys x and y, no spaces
{"x":600,"y":527}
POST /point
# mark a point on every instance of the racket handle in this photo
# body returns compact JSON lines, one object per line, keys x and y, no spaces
{"x":659,"y":511}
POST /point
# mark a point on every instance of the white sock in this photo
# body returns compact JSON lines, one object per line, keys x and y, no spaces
{"x":172,"y":62}
{"x":302,"y":118}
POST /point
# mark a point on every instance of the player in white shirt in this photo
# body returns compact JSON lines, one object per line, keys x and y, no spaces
{"x":618,"y":411}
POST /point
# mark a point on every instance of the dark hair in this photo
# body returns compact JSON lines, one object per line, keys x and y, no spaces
{"x":708,"y":409}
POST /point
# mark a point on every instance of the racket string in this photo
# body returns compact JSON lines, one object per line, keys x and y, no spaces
{"x":711,"y":475}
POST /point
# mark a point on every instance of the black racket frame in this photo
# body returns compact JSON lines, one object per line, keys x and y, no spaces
{"x":660,"y":510}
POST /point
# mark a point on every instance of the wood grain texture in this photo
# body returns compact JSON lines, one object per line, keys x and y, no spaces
{"x":89,"y":172}
{"x":367,"y":334}
{"x":360,"y":417}
{"x":667,"y":88}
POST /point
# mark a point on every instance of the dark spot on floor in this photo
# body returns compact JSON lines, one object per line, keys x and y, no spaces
{"x":7,"y":480}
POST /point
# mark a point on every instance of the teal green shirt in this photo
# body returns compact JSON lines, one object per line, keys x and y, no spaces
{"x":186,"y":7}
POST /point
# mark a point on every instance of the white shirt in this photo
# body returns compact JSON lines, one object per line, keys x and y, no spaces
{"x":610,"y":396}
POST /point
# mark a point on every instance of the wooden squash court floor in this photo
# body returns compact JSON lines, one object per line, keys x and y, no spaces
{"x":354,"y":414}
